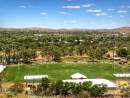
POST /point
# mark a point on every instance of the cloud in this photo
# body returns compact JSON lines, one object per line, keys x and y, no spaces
{"x":44,"y":13}
{"x":73,"y":21}
{"x":68,"y":0}
{"x":22,"y":6}
{"x":71,"y":7}
{"x":122,"y":6}
{"x":122,"y":16}
{"x":94,"y":11}
{"x":70,"y":22}
{"x":25,"y":6}
{"x":110,"y":9}
{"x":87,"y":5}
{"x":65,"y":13}
{"x":129,"y":6}
{"x":101,"y":14}
{"x":122,"y":11}
{"x":110,"y":16}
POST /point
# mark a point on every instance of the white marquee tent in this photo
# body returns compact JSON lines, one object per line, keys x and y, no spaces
{"x":122,"y":75}
{"x":35,"y":77}
{"x":2,"y":67}
{"x":78,"y":76}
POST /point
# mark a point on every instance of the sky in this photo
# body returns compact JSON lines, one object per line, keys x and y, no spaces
{"x":86,"y":14}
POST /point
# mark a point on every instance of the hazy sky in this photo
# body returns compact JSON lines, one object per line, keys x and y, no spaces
{"x":91,"y":14}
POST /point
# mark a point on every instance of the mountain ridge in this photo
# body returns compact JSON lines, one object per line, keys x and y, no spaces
{"x":120,"y":29}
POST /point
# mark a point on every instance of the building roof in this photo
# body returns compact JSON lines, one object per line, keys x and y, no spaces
{"x":122,"y":75}
{"x":35,"y":77}
{"x":108,"y":83}
{"x":116,"y":58}
{"x":2,"y":67}
{"x":78,"y":76}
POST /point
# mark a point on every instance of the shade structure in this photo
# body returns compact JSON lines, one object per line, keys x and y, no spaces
{"x":78,"y":76}
{"x":108,"y":83}
{"x":2,"y":67}
{"x":35,"y":77}
{"x":123,"y":75}
{"x":116,"y":58}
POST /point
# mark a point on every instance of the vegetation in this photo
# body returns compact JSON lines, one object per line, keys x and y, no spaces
{"x":19,"y":49}
{"x":53,"y":88}
{"x":63,"y":71}
{"x":124,"y":52}
{"x":21,"y":46}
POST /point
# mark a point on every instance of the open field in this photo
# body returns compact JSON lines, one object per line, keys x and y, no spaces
{"x":62,"y":71}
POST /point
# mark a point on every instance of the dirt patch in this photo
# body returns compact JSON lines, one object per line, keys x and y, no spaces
{"x":7,"y":85}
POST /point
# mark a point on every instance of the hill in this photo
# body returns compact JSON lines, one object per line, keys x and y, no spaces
{"x":121,"y":29}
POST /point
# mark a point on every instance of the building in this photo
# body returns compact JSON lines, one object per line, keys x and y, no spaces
{"x":34,"y":77}
{"x":2,"y":67}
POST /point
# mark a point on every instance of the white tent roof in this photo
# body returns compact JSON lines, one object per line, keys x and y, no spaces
{"x":122,"y":75}
{"x":108,"y":83}
{"x":116,"y":58}
{"x":35,"y":77}
{"x":2,"y":67}
{"x":78,"y":76}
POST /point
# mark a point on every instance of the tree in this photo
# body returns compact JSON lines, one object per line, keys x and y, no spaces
{"x":58,"y":87}
{"x":97,"y":90}
{"x":45,"y":85}
{"x":100,"y":52}
{"x":76,"y":89}
{"x":26,"y":55}
{"x":65,"y":89}
{"x":123,"y":52}
{"x":87,"y":86}
{"x":57,"y":56}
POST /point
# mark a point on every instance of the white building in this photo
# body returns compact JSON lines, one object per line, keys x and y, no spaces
{"x":2,"y":67}
{"x":79,"y":78}
{"x":123,"y":75}
{"x":35,"y":77}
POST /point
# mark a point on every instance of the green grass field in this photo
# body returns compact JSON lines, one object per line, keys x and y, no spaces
{"x":62,"y":71}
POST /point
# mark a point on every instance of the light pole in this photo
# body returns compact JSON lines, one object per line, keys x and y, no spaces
{"x":113,"y":36}
{"x":114,"y":47}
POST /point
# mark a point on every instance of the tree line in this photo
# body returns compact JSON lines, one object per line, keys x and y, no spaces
{"x":22,"y":46}
{"x":63,"y":89}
